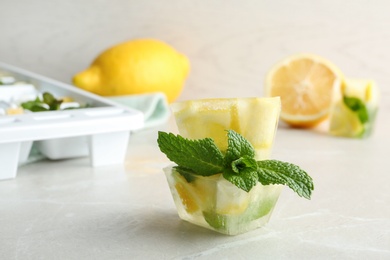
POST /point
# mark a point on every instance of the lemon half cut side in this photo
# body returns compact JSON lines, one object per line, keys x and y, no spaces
{"x":307,"y":85}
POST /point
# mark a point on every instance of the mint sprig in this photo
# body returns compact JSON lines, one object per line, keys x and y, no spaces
{"x":237,"y":164}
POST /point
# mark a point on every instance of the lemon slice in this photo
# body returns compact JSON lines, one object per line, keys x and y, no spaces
{"x":186,"y":196}
{"x":254,"y":118}
{"x":195,"y":196}
{"x":306,"y":84}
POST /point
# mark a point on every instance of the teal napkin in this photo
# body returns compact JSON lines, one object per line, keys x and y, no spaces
{"x":154,"y":106}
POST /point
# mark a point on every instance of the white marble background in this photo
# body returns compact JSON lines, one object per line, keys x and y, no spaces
{"x":67,"y":210}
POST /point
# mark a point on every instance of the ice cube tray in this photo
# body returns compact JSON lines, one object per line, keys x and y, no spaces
{"x":100,"y":131}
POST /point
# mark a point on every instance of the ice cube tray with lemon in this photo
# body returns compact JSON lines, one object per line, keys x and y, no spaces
{"x":354,"y":113}
{"x":223,"y":179}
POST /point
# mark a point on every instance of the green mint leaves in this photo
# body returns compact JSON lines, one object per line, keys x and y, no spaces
{"x":48,"y":102}
{"x":238,"y":147}
{"x":357,"y":106}
{"x":240,"y":165}
{"x":237,"y":163}
{"x":277,"y":172}
{"x":200,"y":156}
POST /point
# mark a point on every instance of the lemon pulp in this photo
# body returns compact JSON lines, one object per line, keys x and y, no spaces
{"x":306,"y":84}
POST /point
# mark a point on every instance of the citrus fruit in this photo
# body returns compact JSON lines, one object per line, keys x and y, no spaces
{"x":306,"y":84}
{"x":186,"y":197}
{"x":193,"y":195}
{"x":136,"y":67}
{"x":354,"y":113}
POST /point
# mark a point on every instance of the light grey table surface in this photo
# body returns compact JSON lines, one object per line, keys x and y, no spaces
{"x":68,"y":210}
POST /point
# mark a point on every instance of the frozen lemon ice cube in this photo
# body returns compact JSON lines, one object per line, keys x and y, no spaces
{"x":213,"y":202}
{"x":256,"y":119}
{"x":353,"y":114}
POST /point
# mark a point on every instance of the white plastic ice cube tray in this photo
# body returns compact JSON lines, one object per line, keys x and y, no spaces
{"x":101,"y":131}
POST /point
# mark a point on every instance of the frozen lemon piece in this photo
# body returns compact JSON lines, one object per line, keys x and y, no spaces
{"x":255,"y":119}
{"x":14,"y":111}
{"x":354,"y":113}
{"x":186,"y":196}
{"x":67,"y":99}
{"x":229,"y":199}
{"x":193,"y":194}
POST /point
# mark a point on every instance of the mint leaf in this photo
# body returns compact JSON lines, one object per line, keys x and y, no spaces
{"x":29,"y":104}
{"x":48,"y":98}
{"x":243,"y":163}
{"x":245,"y":180}
{"x":356,"y":105}
{"x":51,"y":101}
{"x":48,"y":102}
{"x":215,"y":220}
{"x":186,"y":173}
{"x":278,"y":172}
{"x":34,"y":105}
{"x":363,"y":115}
{"x":242,"y":173}
{"x":240,"y":165}
{"x":238,"y":147}
{"x":200,"y":156}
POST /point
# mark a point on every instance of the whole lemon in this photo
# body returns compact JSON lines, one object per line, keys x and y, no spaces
{"x":136,"y":67}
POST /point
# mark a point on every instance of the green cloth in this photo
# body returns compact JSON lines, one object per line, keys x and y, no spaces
{"x":154,"y":106}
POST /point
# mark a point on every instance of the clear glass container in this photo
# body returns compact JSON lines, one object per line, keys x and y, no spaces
{"x":215,"y":203}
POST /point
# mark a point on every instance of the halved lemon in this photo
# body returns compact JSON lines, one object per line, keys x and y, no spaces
{"x":306,"y":84}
